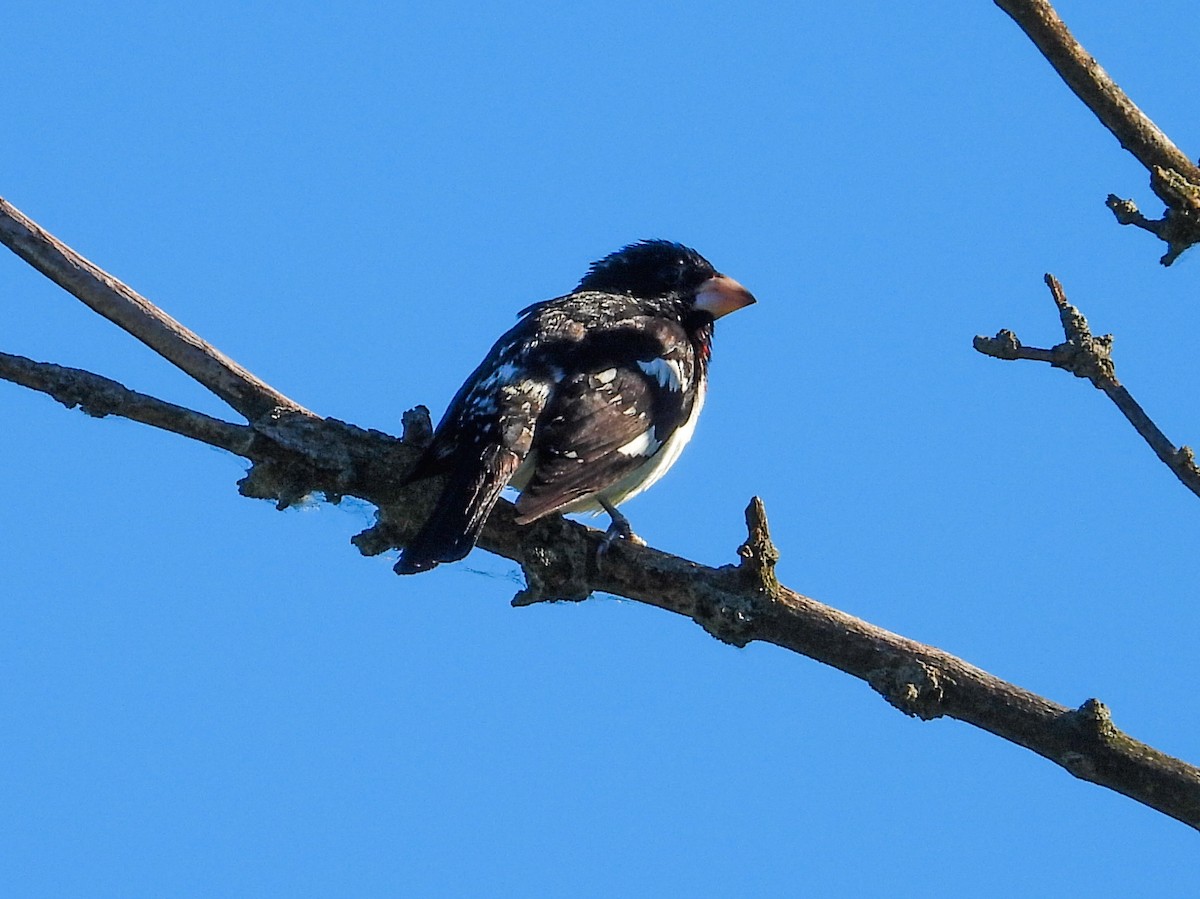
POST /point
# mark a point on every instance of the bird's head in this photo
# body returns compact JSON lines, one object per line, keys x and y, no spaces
{"x":661,"y":270}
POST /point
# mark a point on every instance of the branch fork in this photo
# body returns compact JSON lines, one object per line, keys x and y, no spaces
{"x":1090,"y":357}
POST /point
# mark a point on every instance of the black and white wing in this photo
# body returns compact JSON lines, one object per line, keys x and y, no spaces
{"x":614,"y":425}
{"x":480,"y":443}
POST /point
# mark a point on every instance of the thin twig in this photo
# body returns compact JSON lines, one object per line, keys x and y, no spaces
{"x":135,"y":314}
{"x":1090,"y":357}
{"x":1173,"y":176}
{"x":99,"y":396}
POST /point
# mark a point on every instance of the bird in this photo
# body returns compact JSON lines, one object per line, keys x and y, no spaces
{"x":584,"y":403}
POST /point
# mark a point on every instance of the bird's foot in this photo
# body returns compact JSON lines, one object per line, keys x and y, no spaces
{"x":619,"y":529}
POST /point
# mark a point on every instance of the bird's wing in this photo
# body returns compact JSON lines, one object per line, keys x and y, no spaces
{"x":480,"y":443}
{"x":496,"y":405}
{"x":633,"y":385}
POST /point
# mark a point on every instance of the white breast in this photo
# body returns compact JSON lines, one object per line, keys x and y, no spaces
{"x":655,"y":466}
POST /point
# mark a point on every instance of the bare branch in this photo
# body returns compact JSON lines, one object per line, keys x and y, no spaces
{"x":296,"y":454}
{"x":736,"y":604}
{"x":1079,"y":69}
{"x":1086,"y":356}
{"x":739,"y":605}
{"x":99,"y":396}
{"x":1173,"y":176}
{"x":132,"y":312}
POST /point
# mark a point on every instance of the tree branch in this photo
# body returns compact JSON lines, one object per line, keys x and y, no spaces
{"x":1090,"y":357}
{"x":1084,"y":75}
{"x":742,"y":604}
{"x":296,"y":454}
{"x":1173,"y":176}
{"x":99,"y":396}
{"x":135,"y":314}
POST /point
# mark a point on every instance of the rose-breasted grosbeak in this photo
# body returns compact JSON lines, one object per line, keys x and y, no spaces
{"x":586,"y":402}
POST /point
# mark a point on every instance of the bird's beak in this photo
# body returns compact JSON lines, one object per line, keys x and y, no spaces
{"x":720,"y":295}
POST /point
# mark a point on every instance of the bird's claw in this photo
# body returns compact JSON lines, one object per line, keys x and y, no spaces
{"x":619,"y":529}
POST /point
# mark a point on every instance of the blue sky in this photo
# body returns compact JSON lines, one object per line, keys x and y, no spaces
{"x":200,"y":695}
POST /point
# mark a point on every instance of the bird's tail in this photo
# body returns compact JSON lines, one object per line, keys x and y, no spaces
{"x":461,"y":511}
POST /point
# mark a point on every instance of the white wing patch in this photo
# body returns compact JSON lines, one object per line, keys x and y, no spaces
{"x":661,"y":457}
{"x":643,"y":444}
{"x":668,"y":373}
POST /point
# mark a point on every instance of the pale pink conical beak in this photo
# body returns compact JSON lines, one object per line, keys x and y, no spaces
{"x":720,"y":295}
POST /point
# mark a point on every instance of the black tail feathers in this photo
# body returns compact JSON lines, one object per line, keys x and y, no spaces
{"x":472,"y":490}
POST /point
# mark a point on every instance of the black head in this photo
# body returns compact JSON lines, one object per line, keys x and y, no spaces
{"x":649,"y":269}
{"x":672,"y":276}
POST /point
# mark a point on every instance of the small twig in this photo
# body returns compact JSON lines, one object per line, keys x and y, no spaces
{"x":1179,"y":228}
{"x":1090,"y":357}
{"x":1174,"y":178}
{"x":758,"y":553}
{"x":99,"y":396}
{"x":135,"y":314}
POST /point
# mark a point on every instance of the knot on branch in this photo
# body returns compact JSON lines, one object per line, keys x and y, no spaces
{"x":731,"y":620}
{"x":553,"y":573}
{"x":1184,"y":463}
{"x":1003,"y":346}
{"x":912,"y":686}
{"x":1090,"y":725}
{"x":758,"y":553}
{"x":418,"y":427}
{"x":286,"y":482}
{"x":1087,"y":357}
{"x":1092,"y":720}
